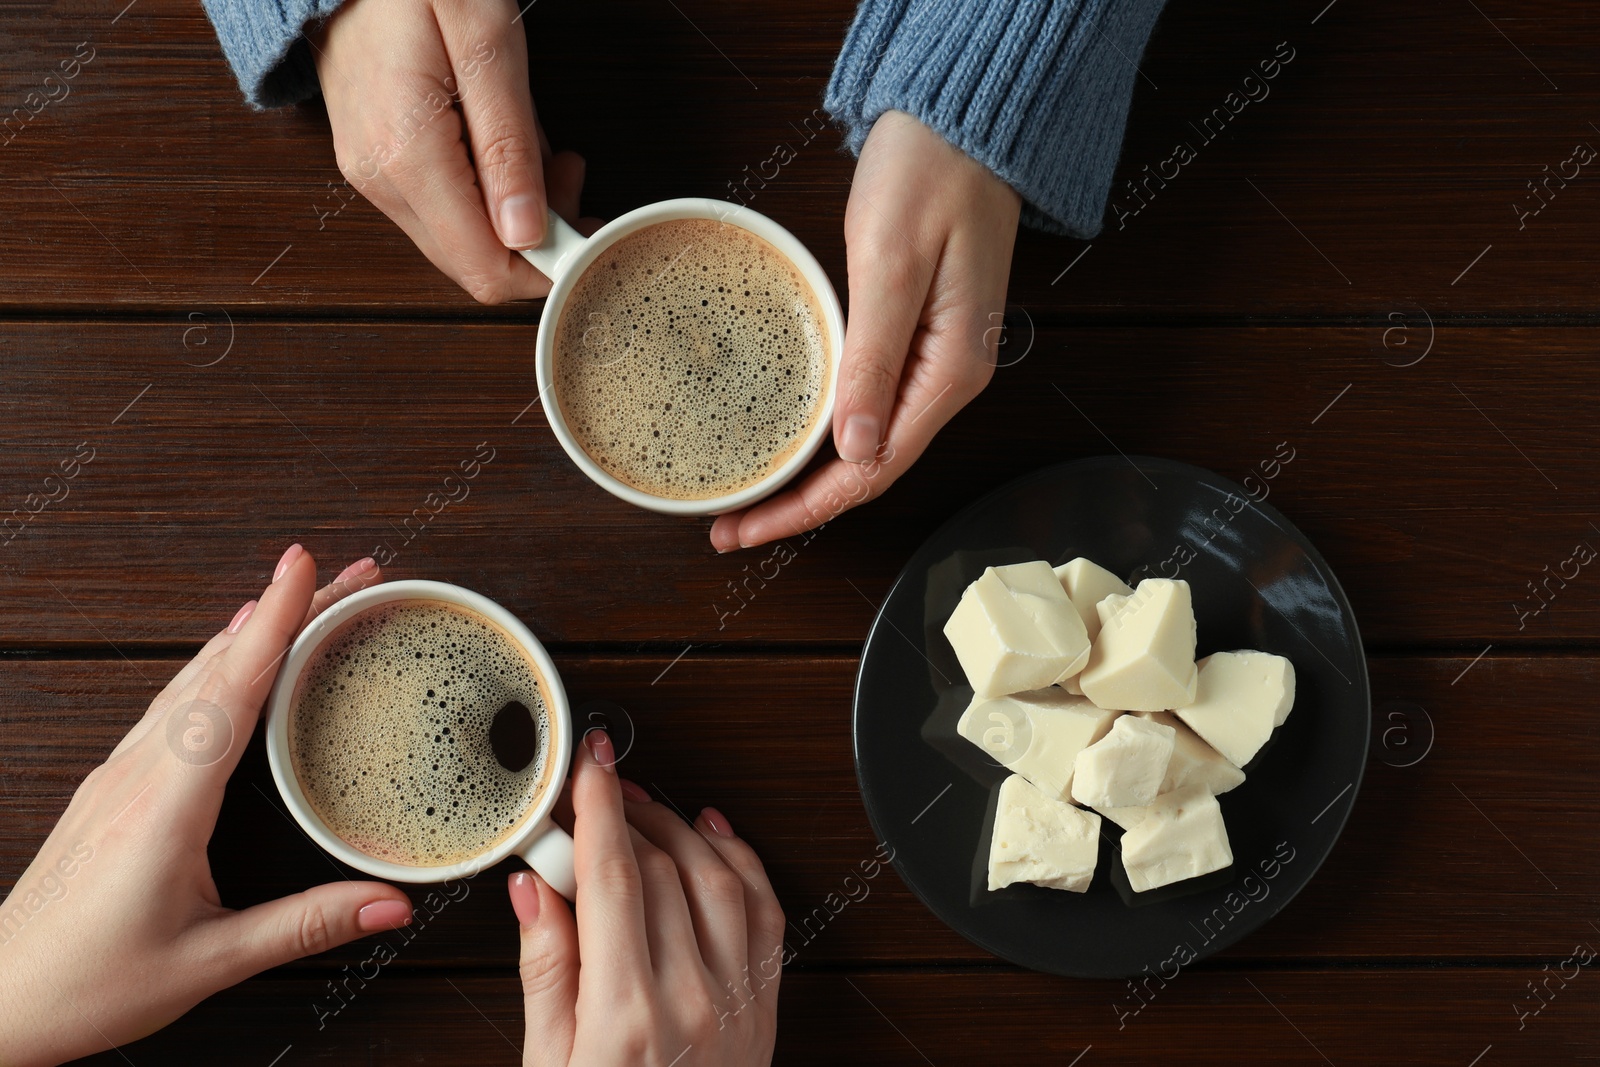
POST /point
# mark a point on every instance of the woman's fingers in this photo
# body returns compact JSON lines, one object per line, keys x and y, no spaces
{"x":820,"y":497}
{"x":611,"y":927}
{"x":358,"y":576}
{"x":669,"y":928}
{"x":490,"y":56}
{"x":714,"y":891}
{"x":938,"y":382}
{"x":890,"y":279}
{"x":436,"y":178}
{"x":240,"y":944}
{"x":400,"y":143}
{"x":226,"y":698}
{"x":549,"y":968}
{"x":764,"y":919}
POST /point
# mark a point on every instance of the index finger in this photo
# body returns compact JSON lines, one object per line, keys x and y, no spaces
{"x":238,"y":678}
{"x":611,"y":932}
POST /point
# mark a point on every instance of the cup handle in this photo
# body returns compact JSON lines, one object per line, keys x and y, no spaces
{"x":561,"y":243}
{"x":550,"y":855}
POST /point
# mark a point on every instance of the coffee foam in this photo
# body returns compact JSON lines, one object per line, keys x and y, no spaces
{"x":691,"y":359}
{"x":389,"y":733}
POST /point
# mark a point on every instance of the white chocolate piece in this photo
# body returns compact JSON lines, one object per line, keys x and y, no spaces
{"x":1181,"y":836}
{"x":1128,"y":817}
{"x":1041,"y":840}
{"x":1016,"y":630}
{"x":1143,"y":659}
{"x":1087,"y":583}
{"x":1037,"y":735}
{"x":1241,"y":697}
{"x":1193,"y":763}
{"x":1108,"y":606}
{"x":1035,"y":577}
{"x":1124,"y":768}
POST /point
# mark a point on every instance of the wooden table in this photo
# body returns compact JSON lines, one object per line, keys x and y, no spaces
{"x":254,"y":358}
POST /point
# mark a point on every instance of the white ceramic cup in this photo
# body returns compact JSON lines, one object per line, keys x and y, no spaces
{"x":539,"y":841}
{"x":566,"y":254}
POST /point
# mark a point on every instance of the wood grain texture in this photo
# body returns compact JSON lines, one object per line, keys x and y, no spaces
{"x":251,"y":356}
{"x":1437,"y":491}
{"x":1376,"y":166}
{"x":1468,"y":854}
{"x":1287,"y":1017}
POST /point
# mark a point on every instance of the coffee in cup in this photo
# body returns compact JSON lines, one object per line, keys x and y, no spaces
{"x":691,"y":359}
{"x":419,"y":733}
{"x":688,"y":354}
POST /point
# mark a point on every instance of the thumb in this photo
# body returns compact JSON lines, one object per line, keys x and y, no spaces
{"x":491,"y":62}
{"x":305,"y":924}
{"x":549,"y":968}
{"x":889,"y":282}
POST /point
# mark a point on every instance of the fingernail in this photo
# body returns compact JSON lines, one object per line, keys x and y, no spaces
{"x":601,"y":751}
{"x":242,"y":616}
{"x":520,"y":223}
{"x":360,"y":566}
{"x":717,"y":821}
{"x":859,"y":441}
{"x":384,"y":915}
{"x":293,"y":553}
{"x":634,"y":791}
{"x":725,"y":535}
{"x":524,"y":891}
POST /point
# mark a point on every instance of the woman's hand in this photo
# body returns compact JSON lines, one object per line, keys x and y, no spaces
{"x":116,"y":928}
{"x":433,"y":122}
{"x":928,"y":236}
{"x":676,"y":952}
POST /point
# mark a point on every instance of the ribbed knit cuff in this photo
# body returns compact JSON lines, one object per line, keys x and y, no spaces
{"x":262,"y":40}
{"x":1035,"y":90}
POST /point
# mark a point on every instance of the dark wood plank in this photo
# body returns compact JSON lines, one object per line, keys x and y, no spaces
{"x":1489,"y":820}
{"x":1312,"y":1017}
{"x":1381,"y":167}
{"x":1438,"y":491}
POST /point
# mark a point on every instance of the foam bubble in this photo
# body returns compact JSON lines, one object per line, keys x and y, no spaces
{"x":389,"y":733}
{"x":691,"y":359}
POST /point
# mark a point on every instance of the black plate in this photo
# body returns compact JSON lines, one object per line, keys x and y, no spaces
{"x":1256,"y":583}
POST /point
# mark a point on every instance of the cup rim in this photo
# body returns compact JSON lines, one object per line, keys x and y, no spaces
{"x":768,"y":230}
{"x":310,"y":639}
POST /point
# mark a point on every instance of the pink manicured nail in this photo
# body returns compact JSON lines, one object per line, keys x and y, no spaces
{"x":360,"y":566}
{"x":242,"y":616}
{"x":601,"y":751}
{"x":717,"y":821}
{"x":384,"y":915}
{"x":634,"y":791}
{"x":293,"y":553}
{"x":524,"y":889}
{"x":859,"y":441}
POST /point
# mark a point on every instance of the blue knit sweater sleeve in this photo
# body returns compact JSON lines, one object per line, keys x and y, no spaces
{"x":265,"y":47}
{"x":1035,"y":90}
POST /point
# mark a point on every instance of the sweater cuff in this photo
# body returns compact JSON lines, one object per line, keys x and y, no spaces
{"x":1036,"y":90}
{"x":265,"y":46}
